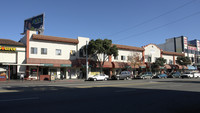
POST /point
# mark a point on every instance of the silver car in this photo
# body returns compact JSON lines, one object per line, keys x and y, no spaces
{"x":124,"y":75}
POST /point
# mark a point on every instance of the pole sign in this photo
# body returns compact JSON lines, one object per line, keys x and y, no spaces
{"x":35,"y":23}
{"x":185,"y":43}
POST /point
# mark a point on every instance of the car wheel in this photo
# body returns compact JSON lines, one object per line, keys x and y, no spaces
{"x":95,"y":79}
{"x":127,"y":78}
{"x":117,"y":78}
{"x":105,"y":79}
{"x":143,"y":77}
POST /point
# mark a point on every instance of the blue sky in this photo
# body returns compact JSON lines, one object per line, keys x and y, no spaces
{"x":127,"y":22}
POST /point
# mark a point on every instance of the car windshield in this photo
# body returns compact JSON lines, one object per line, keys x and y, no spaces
{"x":187,"y":72}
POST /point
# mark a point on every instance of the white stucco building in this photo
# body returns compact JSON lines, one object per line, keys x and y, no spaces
{"x":12,"y":58}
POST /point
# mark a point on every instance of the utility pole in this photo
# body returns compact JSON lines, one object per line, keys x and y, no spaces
{"x":86,"y":61}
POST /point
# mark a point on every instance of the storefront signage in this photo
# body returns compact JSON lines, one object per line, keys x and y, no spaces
{"x":4,"y":48}
{"x":94,"y":73}
{"x":65,"y":65}
{"x":162,"y":67}
{"x":185,"y":42}
{"x":2,"y":77}
{"x":198,"y":45}
{"x":192,"y":48}
{"x":47,"y":64}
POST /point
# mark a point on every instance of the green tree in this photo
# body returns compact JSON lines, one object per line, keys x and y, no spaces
{"x":160,"y":62}
{"x":99,"y":50}
{"x":182,"y":60}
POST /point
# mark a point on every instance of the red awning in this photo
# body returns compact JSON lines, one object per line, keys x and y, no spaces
{"x":120,"y":64}
{"x":107,"y":65}
{"x":167,"y":66}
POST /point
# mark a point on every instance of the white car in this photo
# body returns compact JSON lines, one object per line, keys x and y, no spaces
{"x":191,"y":75}
{"x":99,"y":77}
{"x":196,"y":75}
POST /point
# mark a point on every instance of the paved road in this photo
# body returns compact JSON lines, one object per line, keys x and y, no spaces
{"x":131,"y":96}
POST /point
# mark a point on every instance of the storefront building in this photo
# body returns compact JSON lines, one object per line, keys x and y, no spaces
{"x":12,"y":58}
{"x":122,"y":61}
{"x":52,"y":55}
{"x":191,"y":48}
{"x":152,"y":52}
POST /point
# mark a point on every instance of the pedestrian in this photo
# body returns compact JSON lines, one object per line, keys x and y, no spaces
{"x":62,"y":75}
{"x":22,"y":76}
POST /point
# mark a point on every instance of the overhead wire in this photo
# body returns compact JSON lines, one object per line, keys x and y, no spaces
{"x":175,"y":21}
{"x":152,"y":19}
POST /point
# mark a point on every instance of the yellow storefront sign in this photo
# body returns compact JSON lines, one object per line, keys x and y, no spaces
{"x":94,"y":73}
{"x":4,"y":48}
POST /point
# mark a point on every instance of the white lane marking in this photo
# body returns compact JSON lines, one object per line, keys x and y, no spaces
{"x":20,"y":99}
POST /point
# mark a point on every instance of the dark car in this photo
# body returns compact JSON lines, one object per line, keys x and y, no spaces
{"x":146,"y":75}
{"x":162,"y":75}
{"x":125,"y":75}
{"x":176,"y":75}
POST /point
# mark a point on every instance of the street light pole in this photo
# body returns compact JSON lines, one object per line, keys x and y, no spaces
{"x":86,"y":60}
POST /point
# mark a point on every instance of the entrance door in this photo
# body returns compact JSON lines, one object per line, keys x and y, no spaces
{"x":63,"y":73}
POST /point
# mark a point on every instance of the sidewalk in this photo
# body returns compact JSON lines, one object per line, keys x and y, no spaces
{"x":15,"y":82}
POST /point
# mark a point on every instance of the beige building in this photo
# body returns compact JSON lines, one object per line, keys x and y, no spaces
{"x":12,"y":58}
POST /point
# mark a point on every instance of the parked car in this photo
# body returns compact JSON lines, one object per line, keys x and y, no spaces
{"x":99,"y":77}
{"x":162,"y":75}
{"x":196,"y":75}
{"x":187,"y":75}
{"x":125,"y":75}
{"x":176,"y":75}
{"x":146,"y":75}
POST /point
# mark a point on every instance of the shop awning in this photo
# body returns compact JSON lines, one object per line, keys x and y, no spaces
{"x":49,"y":62}
{"x":190,"y":67}
{"x":107,"y":65}
{"x":142,"y":65}
{"x":121,"y":65}
{"x":2,"y":70}
{"x":167,"y":66}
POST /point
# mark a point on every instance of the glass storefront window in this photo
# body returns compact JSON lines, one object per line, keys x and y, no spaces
{"x":33,"y":72}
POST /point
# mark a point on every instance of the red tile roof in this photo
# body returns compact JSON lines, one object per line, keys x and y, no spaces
{"x":10,"y":42}
{"x":53,"y":38}
{"x":172,"y":53}
{"x":129,"y":47}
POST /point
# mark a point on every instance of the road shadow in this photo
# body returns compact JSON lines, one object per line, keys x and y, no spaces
{"x":181,"y":81}
{"x":56,"y":99}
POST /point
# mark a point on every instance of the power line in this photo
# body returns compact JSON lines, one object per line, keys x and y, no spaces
{"x":152,"y":19}
{"x":175,"y":21}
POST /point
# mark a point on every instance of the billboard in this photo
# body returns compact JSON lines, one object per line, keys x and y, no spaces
{"x":35,"y":23}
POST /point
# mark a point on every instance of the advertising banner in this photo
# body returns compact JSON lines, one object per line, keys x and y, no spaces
{"x":185,"y":43}
{"x":35,"y":23}
{"x":198,"y":45}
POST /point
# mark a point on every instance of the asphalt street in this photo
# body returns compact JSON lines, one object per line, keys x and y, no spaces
{"x":123,"y":96}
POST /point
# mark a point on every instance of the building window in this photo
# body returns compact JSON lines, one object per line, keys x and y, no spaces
{"x":81,"y":53}
{"x":170,"y":62}
{"x":43,"y":51}
{"x":58,"y":51}
{"x":123,"y":57}
{"x":33,"y":50}
{"x":115,"y":57}
{"x":72,"y":52}
{"x":130,"y":58}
